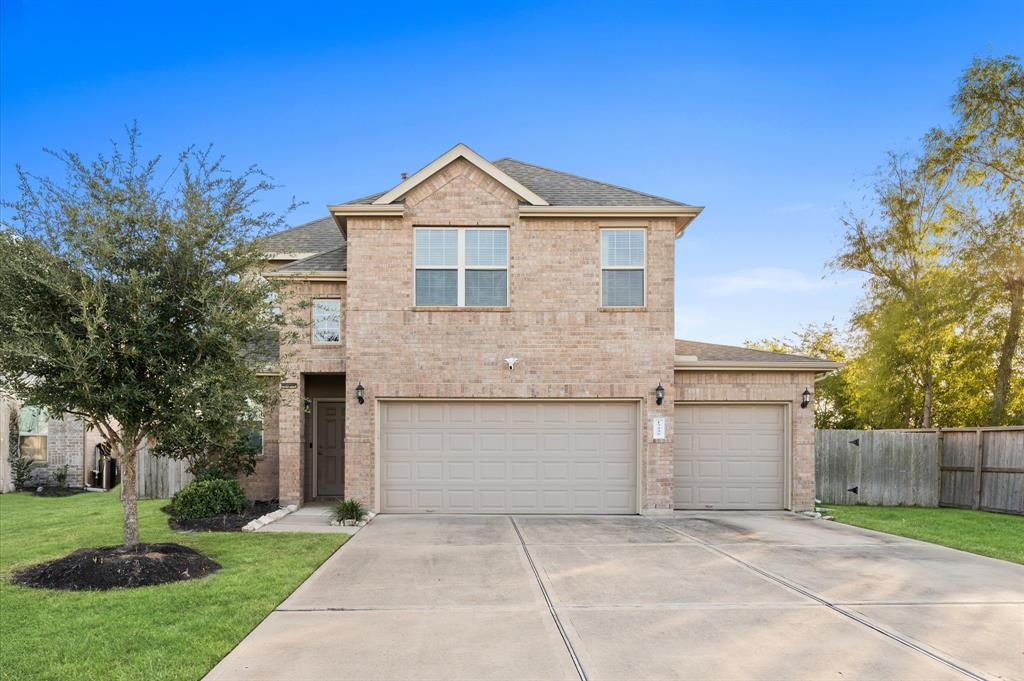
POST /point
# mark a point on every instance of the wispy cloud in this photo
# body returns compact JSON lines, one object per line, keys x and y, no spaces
{"x":775,"y":279}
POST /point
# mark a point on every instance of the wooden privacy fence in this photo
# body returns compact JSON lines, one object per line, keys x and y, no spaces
{"x":158,"y":477}
{"x":980,"y":468}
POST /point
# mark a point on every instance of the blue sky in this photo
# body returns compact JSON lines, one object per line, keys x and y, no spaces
{"x":772,"y":115}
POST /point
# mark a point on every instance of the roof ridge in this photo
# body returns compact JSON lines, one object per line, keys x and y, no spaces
{"x":589,"y":179}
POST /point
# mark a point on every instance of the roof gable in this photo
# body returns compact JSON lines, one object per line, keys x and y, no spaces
{"x":459,"y":151}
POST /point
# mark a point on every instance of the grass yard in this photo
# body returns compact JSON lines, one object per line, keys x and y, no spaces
{"x":173,"y":631}
{"x":997,"y":535}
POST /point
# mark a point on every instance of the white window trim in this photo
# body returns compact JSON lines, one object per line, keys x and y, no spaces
{"x":603,"y":267}
{"x":312,"y":322}
{"x":461,"y":267}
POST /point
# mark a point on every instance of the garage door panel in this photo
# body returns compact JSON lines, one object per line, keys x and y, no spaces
{"x":729,"y":456}
{"x":565,"y":457}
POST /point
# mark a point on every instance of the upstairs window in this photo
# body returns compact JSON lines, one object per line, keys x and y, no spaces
{"x":623,"y":263}
{"x":461,"y":267}
{"x":326,"y":321}
{"x":33,"y":426}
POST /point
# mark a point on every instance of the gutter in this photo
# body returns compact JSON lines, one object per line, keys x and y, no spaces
{"x":758,"y":366}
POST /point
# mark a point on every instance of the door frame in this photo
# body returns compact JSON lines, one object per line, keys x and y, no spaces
{"x":787,"y":436}
{"x":316,"y":433}
{"x":638,"y":404}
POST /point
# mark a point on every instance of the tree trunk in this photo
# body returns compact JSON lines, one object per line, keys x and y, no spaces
{"x":929,"y":383}
{"x":127,"y":460}
{"x":1006,"y":354}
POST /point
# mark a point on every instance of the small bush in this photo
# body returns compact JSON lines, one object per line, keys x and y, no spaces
{"x":349,"y":509}
{"x":22,"y":469}
{"x":60,"y":476}
{"x":207,"y":498}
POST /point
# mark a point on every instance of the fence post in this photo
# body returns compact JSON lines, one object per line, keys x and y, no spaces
{"x":979,"y":455}
{"x":940,"y":446}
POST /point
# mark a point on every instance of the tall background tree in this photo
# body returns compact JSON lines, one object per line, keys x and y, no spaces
{"x":910,"y":310}
{"x":128,"y":298}
{"x":984,"y":151}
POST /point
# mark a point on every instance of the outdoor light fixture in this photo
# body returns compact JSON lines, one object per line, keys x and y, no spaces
{"x":360,"y":393}
{"x":805,"y":399}
{"x":659,"y":393}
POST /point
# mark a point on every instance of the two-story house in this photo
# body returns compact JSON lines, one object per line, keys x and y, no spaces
{"x":497,"y":337}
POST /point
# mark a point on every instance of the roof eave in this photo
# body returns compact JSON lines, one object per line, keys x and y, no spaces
{"x":312,"y":275}
{"x":758,"y":366}
{"x":684,"y":215}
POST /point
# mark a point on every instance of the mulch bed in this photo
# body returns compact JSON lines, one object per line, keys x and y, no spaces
{"x":226,"y":522}
{"x":55,"y":491}
{"x":112,"y":567}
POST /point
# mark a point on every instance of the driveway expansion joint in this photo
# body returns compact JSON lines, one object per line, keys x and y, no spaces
{"x":551,"y":607}
{"x":835,"y":607}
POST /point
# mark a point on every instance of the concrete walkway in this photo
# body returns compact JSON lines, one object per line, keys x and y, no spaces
{"x":313,"y":517}
{"x":692,"y":596}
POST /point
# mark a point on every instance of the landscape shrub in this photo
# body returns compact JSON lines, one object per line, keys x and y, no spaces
{"x":207,"y":498}
{"x":349,"y":509}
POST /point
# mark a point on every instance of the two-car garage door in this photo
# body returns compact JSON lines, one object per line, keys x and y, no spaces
{"x":508,"y":457}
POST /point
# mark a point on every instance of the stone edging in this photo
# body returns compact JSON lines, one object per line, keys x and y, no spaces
{"x":268,"y":518}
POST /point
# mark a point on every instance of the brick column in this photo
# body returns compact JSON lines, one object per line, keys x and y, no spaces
{"x":291,"y":452}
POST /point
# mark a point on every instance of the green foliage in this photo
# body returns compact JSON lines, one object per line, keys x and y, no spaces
{"x":211,"y":472}
{"x":209,"y":498}
{"x":349,"y":509}
{"x":60,"y":476}
{"x":21,"y":466}
{"x":128,"y":298}
{"x":983,"y":151}
{"x":834,"y":405}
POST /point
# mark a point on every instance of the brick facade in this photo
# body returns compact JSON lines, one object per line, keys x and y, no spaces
{"x":764,"y":386}
{"x":568,"y":346}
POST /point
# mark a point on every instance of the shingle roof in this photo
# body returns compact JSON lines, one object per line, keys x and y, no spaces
{"x":334,"y":260}
{"x":316,"y":236}
{"x":564,"y":189}
{"x":712,"y":352}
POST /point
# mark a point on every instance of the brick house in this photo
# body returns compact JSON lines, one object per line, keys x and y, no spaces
{"x":492,"y":337}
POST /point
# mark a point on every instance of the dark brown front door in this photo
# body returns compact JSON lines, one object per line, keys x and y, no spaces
{"x":330,"y":449}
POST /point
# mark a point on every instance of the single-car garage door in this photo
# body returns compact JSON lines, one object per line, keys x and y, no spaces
{"x":508,"y":457}
{"x":729,"y":456}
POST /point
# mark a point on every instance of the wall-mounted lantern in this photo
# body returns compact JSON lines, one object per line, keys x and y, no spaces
{"x":659,"y":394}
{"x":805,"y":398}
{"x":360,"y":393}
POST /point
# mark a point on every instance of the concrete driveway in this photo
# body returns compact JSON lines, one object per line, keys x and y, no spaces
{"x":692,"y":596}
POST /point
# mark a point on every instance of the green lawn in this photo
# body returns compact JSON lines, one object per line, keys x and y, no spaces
{"x":174,"y":631}
{"x":997,"y":535}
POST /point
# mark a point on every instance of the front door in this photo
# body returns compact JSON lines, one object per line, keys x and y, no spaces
{"x":330,"y":449}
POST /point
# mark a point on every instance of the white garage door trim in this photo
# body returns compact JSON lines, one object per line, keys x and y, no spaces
{"x":381,"y":402}
{"x":787,"y":435}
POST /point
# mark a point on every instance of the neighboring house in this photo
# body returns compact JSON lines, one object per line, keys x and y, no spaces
{"x":55,"y":442}
{"x":51,"y":442}
{"x":497,"y":337}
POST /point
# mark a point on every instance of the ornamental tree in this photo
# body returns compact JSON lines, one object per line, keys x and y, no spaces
{"x":130,"y":298}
